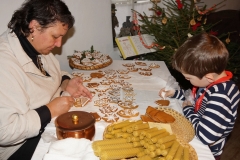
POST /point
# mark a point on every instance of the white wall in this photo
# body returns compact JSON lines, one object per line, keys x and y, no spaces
{"x":92,"y":27}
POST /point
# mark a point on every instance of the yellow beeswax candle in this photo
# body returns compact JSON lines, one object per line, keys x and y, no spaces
{"x":164,"y":152}
{"x":109,"y":128}
{"x":137,"y":144}
{"x":137,"y":132}
{"x":145,"y":157}
{"x":135,"y":139}
{"x":152,"y":147}
{"x":166,"y":145}
{"x":179,"y":153}
{"x":172,"y":151}
{"x":141,"y":136}
{"x":125,"y":135}
{"x":148,"y":140}
{"x":108,"y":136}
{"x":166,"y":139}
{"x":142,"y":142}
{"x":186,"y":153}
{"x":152,"y":154}
{"x":141,"y":126}
{"x":146,"y":151}
{"x":155,"y":133}
{"x":101,"y":148}
{"x":144,"y":132}
{"x":116,"y":131}
{"x":119,"y":135}
{"x":155,"y":138}
{"x":120,"y":153}
{"x":129,"y":139}
{"x":140,"y":154}
{"x":130,"y":130}
{"x":124,"y":129}
{"x":121,"y":124}
{"x":108,"y":141}
{"x":146,"y":145}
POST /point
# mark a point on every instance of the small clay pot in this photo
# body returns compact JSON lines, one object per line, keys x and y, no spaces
{"x":75,"y":124}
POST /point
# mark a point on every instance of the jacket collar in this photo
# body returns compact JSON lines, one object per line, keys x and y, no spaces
{"x":18,"y":51}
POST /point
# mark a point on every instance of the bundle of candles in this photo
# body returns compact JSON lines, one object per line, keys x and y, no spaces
{"x":137,"y":140}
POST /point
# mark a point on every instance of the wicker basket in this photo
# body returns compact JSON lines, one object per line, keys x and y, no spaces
{"x":178,"y":130}
{"x":93,"y":67}
{"x":181,"y":126}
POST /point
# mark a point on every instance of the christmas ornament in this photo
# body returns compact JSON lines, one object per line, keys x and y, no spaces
{"x":179,"y":3}
{"x":199,"y":18}
{"x":158,"y":12}
{"x":192,"y":22}
{"x":194,"y":27}
{"x":228,"y":39}
{"x":164,"y":20}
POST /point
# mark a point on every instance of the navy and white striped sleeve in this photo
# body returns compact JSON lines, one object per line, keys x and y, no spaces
{"x":218,"y":110}
{"x":179,"y":94}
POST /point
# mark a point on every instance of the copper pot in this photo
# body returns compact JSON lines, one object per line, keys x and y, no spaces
{"x":75,"y":124}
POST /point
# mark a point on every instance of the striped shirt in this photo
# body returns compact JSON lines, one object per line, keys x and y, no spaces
{"x":215,"y":119}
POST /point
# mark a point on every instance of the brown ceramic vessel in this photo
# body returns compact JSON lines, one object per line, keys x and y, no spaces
{"x":75,"y":124}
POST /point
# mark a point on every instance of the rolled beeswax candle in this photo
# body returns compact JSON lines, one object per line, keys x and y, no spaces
{"x":166,"y":139}
{"x":156,"y":138}
{"x":120,"y":153}
{"x":172,"y":151}
{"x":155,"y":133}
{"x":179,"y":153}
{"x":141,"y":126}
{"x":124,"y":129}
{"x":108,"y":141}
{"x":121,"y":124}
{"x":186,"y":153}
{"x":146,"y":157}
{"x":137,"y":144}
{"x":166,"y":145}
{"x":101,"y":148}
{"x":144,"y":132}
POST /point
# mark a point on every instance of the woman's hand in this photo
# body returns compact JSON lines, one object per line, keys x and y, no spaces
{"x":60,"y":105}
{"x":162,"y":93}
{"x":76,"y":89}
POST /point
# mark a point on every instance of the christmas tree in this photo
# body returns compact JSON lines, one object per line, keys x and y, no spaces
{"x":174,"y":23}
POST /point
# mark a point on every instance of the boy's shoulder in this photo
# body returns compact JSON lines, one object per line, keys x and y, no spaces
{"x":225,"y":87}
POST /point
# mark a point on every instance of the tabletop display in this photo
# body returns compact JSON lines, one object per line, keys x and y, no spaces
{"x":125,"y":93}
{"x":89,"y":60}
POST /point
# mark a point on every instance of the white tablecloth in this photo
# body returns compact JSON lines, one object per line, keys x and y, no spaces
{"x":146,"y":89}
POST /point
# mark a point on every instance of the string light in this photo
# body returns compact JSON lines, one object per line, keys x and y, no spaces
{"x":135,"y":20}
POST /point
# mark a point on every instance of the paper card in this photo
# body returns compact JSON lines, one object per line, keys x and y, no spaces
{"x":161,"y":126}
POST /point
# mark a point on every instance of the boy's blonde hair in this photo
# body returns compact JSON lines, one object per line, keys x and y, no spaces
{"x":200,"y":55}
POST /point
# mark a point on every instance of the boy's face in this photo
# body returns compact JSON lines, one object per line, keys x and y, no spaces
{"x":195,"y":81}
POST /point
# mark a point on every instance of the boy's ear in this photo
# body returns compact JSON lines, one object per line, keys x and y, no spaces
{"x":209,"y":77}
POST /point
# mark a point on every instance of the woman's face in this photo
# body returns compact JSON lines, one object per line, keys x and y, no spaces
{"x":45,"y":40}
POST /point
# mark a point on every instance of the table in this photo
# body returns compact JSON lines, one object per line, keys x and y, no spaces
{"x":146,"y":89}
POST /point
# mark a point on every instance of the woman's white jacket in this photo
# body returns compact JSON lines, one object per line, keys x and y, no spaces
{"x":23,"y":88}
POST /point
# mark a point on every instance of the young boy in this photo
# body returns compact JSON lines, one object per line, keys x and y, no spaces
{"x":202,"y":60}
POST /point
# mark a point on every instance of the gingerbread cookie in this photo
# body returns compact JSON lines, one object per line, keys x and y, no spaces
{"x":162,"y":102}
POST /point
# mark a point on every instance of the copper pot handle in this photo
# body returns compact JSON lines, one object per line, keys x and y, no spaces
{"x":75,"y":118}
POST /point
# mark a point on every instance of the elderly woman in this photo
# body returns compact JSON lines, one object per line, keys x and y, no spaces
{"x":31,"y":81}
